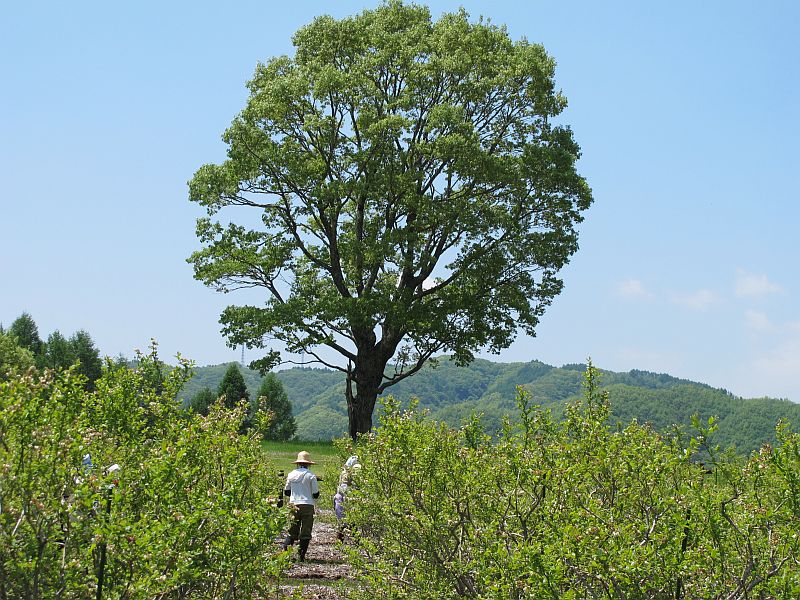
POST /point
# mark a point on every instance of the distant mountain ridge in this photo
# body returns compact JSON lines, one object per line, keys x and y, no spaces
{"x":452,"y":394}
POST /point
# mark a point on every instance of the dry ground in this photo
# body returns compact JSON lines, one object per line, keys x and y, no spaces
{"x":324,"y":571}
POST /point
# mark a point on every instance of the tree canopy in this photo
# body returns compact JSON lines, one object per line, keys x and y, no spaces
{"x":273,"y":402}
{"x":415,"y":196}
{"x":26,"y":332}
{"x":13,"y":357}
{"x":84,"y":350}
{"x":202,"y":401}
{"x":58,"y":352}
{"x":233,"y":387}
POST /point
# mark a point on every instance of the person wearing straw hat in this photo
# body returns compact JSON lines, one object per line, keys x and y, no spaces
{"x":303,"y":491}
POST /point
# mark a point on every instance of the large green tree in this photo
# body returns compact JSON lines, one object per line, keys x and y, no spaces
{"x":415,"y":194}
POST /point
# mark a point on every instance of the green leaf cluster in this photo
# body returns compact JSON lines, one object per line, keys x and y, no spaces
{"x":189,"y":514}
{"x":577,"y":508}
{"x":13,"y":357}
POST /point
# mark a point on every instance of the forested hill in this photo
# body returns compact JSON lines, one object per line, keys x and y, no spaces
{"x":452,"y":393}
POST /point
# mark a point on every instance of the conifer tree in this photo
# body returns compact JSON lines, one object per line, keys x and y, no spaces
{"x":58,"y":352}
{"x":84,"y":350}
{"x":201,"y":401}
{"x":273,"y":402}
{"x":26,"y":332}
{"x":233,"y":387}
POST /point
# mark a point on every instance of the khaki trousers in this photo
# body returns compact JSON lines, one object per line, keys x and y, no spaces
{"x":302,"y":521}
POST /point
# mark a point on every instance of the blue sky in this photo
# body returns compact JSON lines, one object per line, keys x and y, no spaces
{"x":686,"y":112}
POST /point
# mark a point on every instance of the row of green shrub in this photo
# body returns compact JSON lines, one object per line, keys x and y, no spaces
{"x":190,"y":513}
{"x":571,"y":509}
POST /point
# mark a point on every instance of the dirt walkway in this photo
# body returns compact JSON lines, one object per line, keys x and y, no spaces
{"x":324,"y":570}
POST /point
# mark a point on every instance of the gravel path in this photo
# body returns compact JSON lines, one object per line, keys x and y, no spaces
{"x":322,"y":573}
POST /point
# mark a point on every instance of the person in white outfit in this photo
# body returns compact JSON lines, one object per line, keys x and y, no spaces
{"x":351,"y":467}
{"x":303,"y":491}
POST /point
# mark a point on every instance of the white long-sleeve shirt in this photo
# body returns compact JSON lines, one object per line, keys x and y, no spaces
{"x":303,"y":486}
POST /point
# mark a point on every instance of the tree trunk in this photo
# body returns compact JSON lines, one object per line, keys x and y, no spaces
{"x":367,"y":375}
{"x":359,"y":412}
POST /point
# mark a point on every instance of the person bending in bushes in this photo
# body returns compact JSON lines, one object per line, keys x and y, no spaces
{"x":351,"y":467}
{"x":303,"y":491}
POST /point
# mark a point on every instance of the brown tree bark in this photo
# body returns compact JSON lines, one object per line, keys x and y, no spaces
{"x":366,"y":375}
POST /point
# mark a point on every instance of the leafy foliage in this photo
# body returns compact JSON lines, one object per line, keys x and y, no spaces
{"x":415,"y":194}
{"x":88,"y":356}
{"x":318,"y":423}
{"x":188,"y":515}
{"x":210,"y":376}
{"x":58,"y":352}
{"x":13,"y":357}
{"x":272,"y":412}
{"x":452,"y":393}
{"x":232,"y":388}
{"x":570,"y":509}
{"x":202,"y":401}
{"x":306,"y":387}
{"x":24,"y":329}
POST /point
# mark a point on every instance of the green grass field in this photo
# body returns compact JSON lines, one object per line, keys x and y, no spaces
{"x":328,"y":458}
